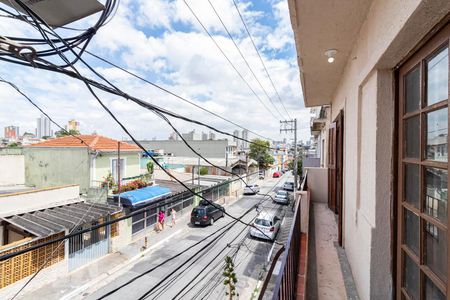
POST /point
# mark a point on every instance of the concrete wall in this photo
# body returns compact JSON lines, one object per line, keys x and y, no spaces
{"x":366,"y":94}
{"x":318,"y":184}
{"x":209,"y":149}
{"x":22,"y":202}
{"x":49,"y":167}
{"x":12,"y":169}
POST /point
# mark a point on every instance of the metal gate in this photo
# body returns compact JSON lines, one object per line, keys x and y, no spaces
{"x":87,"y":247}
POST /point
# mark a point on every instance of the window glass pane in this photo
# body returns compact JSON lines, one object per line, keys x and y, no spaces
{"x":412,"y":137}
{"x":412,"y":90}
{"x":412,"y":184}
{"x":436,"y":194}
{"x":411,"y":277}
{"x":412,"y":231}
{"x":437,"y":133}
{"x":436,"y":250}
{"x":437,"y":79}
{"x":432,"y":292}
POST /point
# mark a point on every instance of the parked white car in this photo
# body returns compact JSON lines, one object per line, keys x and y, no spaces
{"x":266,"y":226}
{"x":282,"y":197}
{"x":251,"y":189}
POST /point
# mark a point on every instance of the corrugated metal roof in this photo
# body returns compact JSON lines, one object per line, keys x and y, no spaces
{"x":62,"y":218}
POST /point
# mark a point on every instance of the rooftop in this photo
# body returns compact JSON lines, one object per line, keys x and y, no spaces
{"x":94,"y":142}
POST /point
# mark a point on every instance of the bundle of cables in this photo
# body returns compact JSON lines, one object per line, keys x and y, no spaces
{"x":33,"y":50}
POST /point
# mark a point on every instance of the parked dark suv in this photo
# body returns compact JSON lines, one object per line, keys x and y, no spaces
{"x":206,"y":214}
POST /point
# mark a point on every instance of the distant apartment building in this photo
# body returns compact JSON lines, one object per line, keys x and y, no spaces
{"x":192,"y":136}
{"x":245,"y":137}
{"x":12,"y":132}
{"x":73,"y":125}
{"x":43,"y":127}
{"x":204,"y":136}
{"x":173,"y":136}
{"x":212,"y":136}
{"x":236,"y":137}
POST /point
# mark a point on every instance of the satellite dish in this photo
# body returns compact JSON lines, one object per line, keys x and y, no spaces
{"x":59,"y":12}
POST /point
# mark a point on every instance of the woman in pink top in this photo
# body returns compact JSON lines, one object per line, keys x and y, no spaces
{"x":161,"y":218}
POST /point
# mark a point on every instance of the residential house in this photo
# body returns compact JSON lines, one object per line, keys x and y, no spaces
{"x":85,"y":160}
{"x":382,"y":69}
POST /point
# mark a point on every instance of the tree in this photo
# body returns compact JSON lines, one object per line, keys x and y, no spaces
{"x":259,"y":151}
{"x":230,"y":278}
{"x":299,"y":167}
{"x":203,"y":170}
{"x":150,"y":167}
{"x":13,"y":145}
{"x":64,"y":132}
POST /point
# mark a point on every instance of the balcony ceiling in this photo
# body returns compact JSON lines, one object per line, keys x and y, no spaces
{"x":320,"y":25}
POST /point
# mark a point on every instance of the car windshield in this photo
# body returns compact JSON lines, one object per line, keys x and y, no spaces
{"x":262,"y":222}
{"x":282,"y":193}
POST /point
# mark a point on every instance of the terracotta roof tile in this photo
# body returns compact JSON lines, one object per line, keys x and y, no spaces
{"x":95,"y":142}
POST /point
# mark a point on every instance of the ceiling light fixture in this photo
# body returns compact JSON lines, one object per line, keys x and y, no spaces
{"x":330,"y":54}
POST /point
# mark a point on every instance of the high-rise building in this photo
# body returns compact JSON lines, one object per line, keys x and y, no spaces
{"x":12,"y":132}
{"x":237,"y":135}
{"x":245,"y":137}
{"x":212,"y":136}
{"x":173,"y":136}
{"x":43,"y":127}
{"x":204,"y":136}
{"x":191,"y":136}
{"x":73,"y":125}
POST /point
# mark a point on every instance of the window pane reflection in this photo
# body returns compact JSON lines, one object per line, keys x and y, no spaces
{"x":436,"y":194}
{"x":411,"y":279}
{"x":436,"y":250}
{"x":432,"y":292}
{"x":437,"y":133}
{"x":412,"y":137}
{"x":412,"y":90}
{"x":412,"y":231}
{"x":437,"y":79}
{"x":412,"y":184}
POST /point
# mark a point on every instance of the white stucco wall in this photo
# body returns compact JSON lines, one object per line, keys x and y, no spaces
{"x":22,"y":202}
{"x":12,"y":170}
{"x":391,"y":30}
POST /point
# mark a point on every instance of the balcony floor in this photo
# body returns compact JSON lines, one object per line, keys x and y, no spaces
{"x":329,"y":274}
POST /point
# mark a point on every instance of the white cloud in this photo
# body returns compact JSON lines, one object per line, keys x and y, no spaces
{"x":161,"y":40}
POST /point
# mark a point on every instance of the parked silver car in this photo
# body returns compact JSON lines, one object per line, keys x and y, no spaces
{"x":251,"y":189}
{"x":266,"y":226}
{"x":282,"y":197}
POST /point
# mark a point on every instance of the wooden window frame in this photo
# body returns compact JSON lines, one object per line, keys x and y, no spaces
{"x":428,"y":50}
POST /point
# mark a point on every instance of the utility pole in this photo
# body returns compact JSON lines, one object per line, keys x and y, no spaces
{"x":198,"y":171}
{"x":291,"y":126}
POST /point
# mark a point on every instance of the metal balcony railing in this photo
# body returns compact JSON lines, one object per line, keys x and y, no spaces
{"x":286,"y":280}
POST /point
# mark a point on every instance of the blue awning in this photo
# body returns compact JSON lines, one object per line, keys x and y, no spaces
{"x":142,"y":196}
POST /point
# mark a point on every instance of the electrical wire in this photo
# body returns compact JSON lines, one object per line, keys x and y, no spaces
{"x":173,"y":94}
{"x":35,"y":16}
{"x":260,"y":57}
{"x":182,"y":252}
{"x":229,"y":61}
{"x":245,"y":60}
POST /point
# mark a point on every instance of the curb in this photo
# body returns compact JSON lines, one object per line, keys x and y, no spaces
{"x":107,"y":274}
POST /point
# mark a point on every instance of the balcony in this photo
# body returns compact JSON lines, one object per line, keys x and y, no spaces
{"x":311,"y":264}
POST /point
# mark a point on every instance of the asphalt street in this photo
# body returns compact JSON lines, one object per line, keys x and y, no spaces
{"x":195,"y":270}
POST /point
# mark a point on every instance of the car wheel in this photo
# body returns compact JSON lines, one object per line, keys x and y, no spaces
{"x":211,"y":222}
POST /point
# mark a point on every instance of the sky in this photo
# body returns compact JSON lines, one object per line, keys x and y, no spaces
{"x":162,"y":41}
